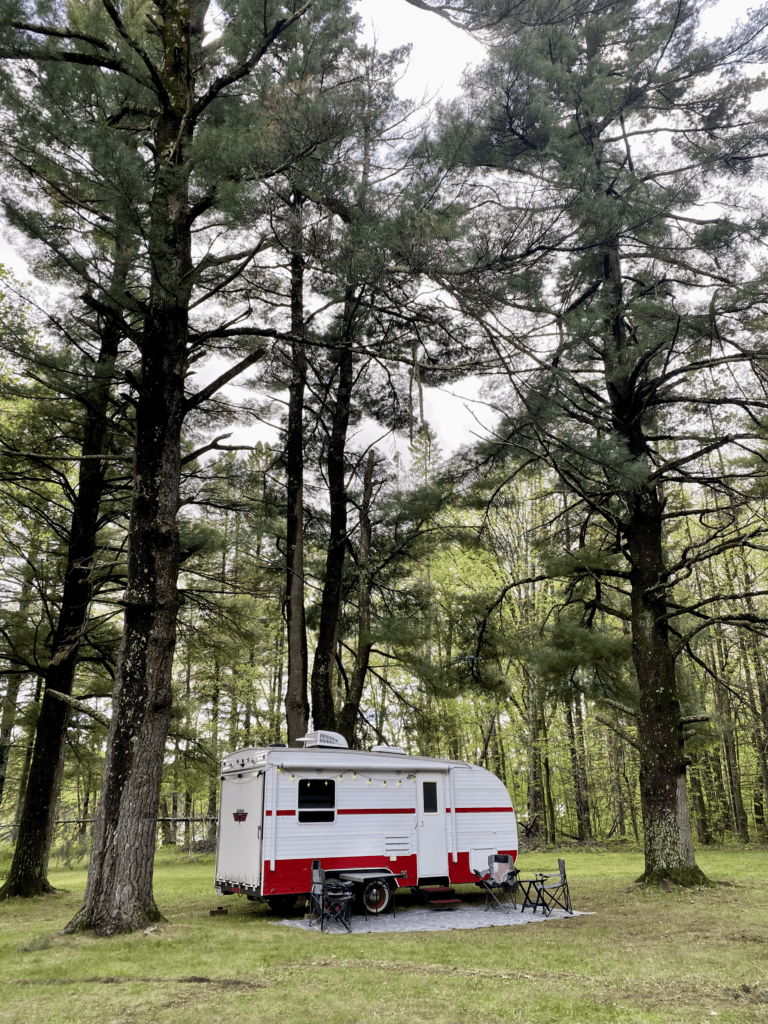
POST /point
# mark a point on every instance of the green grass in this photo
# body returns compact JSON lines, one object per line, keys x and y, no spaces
{"x":645,"y":956}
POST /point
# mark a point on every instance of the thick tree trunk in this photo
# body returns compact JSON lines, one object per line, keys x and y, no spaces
{"x":28,"y":872}
{"x":296,"y":695}
{"x":118,"y":895}
{"x":668,"y":846}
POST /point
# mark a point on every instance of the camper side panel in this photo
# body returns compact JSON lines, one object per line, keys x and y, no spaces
{"x":485,"y":822}
{"x":367,"y":825}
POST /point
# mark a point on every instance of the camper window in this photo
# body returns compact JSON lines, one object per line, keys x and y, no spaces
{"x":317,"y":799}
{"x":430,"y":797}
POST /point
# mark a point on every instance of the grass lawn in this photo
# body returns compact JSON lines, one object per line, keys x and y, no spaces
{"x":645,"y":956}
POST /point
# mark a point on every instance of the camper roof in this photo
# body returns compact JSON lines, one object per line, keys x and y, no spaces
{"x":332,"y":758}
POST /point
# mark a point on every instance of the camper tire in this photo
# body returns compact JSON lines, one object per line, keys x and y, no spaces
{"x":282,"y":904}
{"x":377,"y":896}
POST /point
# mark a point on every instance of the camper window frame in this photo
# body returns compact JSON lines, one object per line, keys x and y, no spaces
{"x":424,"y":784}
{"x":315,"y":810}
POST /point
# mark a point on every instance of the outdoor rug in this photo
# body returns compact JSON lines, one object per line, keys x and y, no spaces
{"x":424,"y":919}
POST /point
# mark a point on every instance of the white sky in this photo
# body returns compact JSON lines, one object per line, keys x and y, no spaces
{"x":440,"y":52}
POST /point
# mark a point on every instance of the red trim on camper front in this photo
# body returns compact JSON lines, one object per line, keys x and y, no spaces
{"x":281,"y":814}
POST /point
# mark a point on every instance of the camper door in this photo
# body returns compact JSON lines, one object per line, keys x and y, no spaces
{"x":430,"y":824}
{"x":239,"y":858}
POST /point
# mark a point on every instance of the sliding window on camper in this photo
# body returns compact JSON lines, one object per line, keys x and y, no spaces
{"x":317,"y":799}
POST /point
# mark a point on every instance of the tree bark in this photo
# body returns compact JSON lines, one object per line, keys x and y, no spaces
{"x":535,"y":791}
{"x":323,"y":709}
{"x":579,"y":775}
{"x":351,"y":708}
{"x":29,"y":868}
{"x":118,"y":895}
{"x":296,"y":695}
{"x":15,"y":671}
{"x":668,"y":844}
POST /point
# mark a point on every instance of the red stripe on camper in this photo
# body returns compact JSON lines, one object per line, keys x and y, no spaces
{"x":482,"y":810}
{"x":375,"y":810}
{"x":280,"y":814}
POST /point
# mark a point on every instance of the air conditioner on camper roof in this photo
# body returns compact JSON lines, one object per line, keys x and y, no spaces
{"x":321,"y":738}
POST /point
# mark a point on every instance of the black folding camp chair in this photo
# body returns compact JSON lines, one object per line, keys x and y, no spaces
{"x":552,"y":894}
{"x":499,"y":882}
{"x":330,"y":900}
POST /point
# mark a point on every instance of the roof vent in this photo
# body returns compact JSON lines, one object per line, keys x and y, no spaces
{"x":383,"y":749}
{"x":321,"y":738}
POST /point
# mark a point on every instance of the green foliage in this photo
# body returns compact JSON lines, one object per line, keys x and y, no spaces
{"x":567,"y":648}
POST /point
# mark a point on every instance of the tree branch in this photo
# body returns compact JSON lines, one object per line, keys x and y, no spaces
{"x":202,"y":396}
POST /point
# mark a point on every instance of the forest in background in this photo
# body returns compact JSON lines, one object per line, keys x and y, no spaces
{"x":577,"y":602}
{"x":567,"y":757}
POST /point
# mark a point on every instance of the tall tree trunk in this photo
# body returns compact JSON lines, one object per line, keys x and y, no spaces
{"x":15,"y":672}
{"x":549,"y":803}
{"x":118,"y":895}
{"x":579,"y":775}
{"x":29,"y":868}
{"x":351,"y":709}
{"x":124,"y":839}
{"x":296,"y":696}
{"x":702,"y":818}
{"x":213,"y":779}
{"x":27,"y":759}
{"x":668,"y":843}
{"x":535,"y":795}
{"x":323,"y":710}
{"x":13,"y":678}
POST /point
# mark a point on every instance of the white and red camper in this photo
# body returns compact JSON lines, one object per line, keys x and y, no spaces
{"x":379,"y":814}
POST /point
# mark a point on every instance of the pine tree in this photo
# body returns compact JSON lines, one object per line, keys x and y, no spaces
{"x":633,"y":351}
{"x":171,"y":138}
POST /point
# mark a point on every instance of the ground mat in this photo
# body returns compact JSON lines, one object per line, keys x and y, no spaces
{"x":425,"y":919}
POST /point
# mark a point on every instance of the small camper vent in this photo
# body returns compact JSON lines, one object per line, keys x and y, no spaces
{"x":321,"y":738}
{"x":397,"y":846}
{"x":382,"y":749}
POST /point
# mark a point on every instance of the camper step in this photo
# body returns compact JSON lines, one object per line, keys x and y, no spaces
{"x":443,"y":904}
{"x":434,"y":893}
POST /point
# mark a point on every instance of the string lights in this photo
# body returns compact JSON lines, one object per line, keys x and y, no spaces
{"x":369,"y":779}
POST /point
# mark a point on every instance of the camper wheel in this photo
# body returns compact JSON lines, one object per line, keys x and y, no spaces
{"x":282,"y":904}
{"x":377,"y":896}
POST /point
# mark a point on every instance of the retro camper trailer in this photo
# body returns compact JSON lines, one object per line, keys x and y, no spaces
{"x":382,"y":817}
